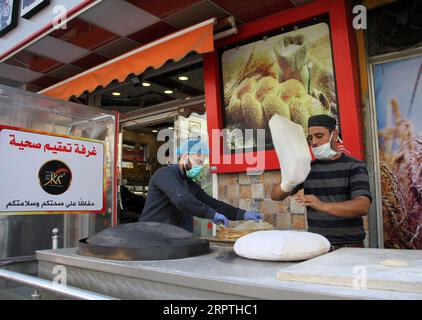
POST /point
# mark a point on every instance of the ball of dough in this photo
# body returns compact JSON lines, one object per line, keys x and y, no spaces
{"x":277,"y":245}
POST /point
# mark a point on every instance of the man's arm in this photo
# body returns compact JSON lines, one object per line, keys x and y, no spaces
{"x":277,"y":194}
{"x":171,"y":185}
{"x":232,"y":213}
{"x":360,"y":194}
{"x":345,"y":209}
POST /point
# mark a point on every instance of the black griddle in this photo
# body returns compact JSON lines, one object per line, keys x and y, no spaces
{"x":143,"y":241}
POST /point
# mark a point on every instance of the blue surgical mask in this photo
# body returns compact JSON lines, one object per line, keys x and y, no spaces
{"x":324,"y":152}
{"x":195,"y":171}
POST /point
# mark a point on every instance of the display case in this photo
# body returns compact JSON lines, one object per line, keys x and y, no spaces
{"x":24,"y":232}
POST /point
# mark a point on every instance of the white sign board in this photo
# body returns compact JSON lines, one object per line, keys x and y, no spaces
{"x":44,"y":173}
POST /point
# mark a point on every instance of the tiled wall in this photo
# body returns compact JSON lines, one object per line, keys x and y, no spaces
{"x":252,"y":192}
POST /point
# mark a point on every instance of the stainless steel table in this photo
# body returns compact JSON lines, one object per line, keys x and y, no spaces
{"x":220,"y":274}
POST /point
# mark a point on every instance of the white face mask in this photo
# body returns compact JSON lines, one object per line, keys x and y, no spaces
{"x":324,"y":152}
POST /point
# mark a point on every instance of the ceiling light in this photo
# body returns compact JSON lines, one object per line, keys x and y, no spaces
{"x":116,"y":94}
{"x":170,"y":128}
{"x":187,"y":98}
{"x":155,"y":131}
{"x":146,"y":84}
{"x":168,"y":91}
{"x":183,"y":78}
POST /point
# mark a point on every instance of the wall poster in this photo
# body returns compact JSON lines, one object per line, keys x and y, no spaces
{"x":398,"y":101}
{"x":290,"y":74}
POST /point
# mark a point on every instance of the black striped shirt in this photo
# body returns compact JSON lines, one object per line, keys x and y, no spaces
{"x":334,"y":181}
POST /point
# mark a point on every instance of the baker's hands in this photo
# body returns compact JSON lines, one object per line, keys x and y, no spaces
{"x":251,"y":215}
{"x":312,"y":201}
{"x":220,"y":218}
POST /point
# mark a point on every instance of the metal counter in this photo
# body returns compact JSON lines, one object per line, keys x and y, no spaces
{"x":220,"y":274}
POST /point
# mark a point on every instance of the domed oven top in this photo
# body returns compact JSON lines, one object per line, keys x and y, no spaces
{"x":143,"y":241}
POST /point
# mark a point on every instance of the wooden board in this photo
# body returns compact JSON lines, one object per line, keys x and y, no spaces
{"x":359,"y":268}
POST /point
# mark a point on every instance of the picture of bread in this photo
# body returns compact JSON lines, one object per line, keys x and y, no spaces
{"x":313,"y":105}
{"x":273,"y":105}
{"x":253,"y":114}
{"x":290,"y":75}
{"x":292,"y":58}
{"x":259,"y":64}
{"x":299,"y":113}
{"x":321,"y":70}
{"x":247,"y":85}
{"x":265,"y":86}
{"x":291,"y":89}
{"x":234,"y":111}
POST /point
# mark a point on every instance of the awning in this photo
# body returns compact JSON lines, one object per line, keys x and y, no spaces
{"x":198,"y":38}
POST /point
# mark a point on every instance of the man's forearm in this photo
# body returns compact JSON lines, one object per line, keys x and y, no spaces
{"x":277,"y":194}
{"x":348,"y":209}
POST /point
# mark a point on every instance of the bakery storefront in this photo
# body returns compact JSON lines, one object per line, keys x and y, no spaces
{"x":312,"y":44}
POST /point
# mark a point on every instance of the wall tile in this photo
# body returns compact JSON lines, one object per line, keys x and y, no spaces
{"x":257,"y":191}
{"x":245,"y":204}
{"x":283,"y":221}
{"x":244,"y":179}
{"x":270,"y":207}
{"x":233,"y":191}
{"x":245,"y":192}
{"x":222,"y":192}
{"x":295,"y":207}
{"x":256,"y":205}
{"x":298,"y":222}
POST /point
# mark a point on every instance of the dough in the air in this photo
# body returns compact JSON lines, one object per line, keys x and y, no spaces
{"x":277,"y":245}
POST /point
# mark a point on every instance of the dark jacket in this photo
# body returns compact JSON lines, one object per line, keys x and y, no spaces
{"x":171,"y":196}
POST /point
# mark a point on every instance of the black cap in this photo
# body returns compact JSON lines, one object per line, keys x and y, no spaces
{"x":322,"y":120}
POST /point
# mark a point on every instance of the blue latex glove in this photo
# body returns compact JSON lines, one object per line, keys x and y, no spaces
{"x":218,"y":217}
{"x":251,"y":215}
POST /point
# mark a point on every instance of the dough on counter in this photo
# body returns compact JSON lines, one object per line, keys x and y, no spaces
{"x":399,"y":263}
{"x":242,"y":229}
{"x":277,"y":245}
{"x":250,"y":224}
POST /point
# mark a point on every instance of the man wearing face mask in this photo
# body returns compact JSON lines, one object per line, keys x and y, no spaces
{"x":336,"y":191}
{"x":173,"y":194}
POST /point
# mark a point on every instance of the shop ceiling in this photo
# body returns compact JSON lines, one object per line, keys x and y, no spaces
{"x":114,"y":27}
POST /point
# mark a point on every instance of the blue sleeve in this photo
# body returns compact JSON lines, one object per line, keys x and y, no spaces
{"x":232,"y":213}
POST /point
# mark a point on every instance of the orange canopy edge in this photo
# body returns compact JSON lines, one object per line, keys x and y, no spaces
{"x":198,"y":38}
